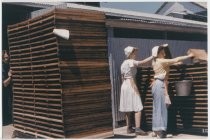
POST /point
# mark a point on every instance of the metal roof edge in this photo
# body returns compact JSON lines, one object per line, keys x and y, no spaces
{"x":184,"y":13}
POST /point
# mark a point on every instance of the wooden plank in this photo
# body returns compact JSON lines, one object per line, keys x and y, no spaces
{"x":30,"y":130}
{"x":39,"y":117}
{"x":91,"y":14}
{"x":38,"y":113}
{"x":38,"y":103}
{"x":83,"y":64}
{"x":37,"y":126}
{"x":37,"y":89}
{"x":31,"y":32}
{"x":34,"y":43}
{"x":27,"y":25}
{"x":48,"y":94}
{"x":87,"y":88}
{"x":58,"y":111}
{"x":61,"y":127}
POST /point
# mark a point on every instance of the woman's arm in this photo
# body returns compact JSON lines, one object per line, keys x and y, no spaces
{"x":175,"y":60}
{"x":122,"y":77}
{"x":7,"y":81}
{"x":144,"y":61}
{"x":178,"y":63}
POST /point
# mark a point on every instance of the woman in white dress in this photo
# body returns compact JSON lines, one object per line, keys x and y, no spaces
{"x":130,"y":100}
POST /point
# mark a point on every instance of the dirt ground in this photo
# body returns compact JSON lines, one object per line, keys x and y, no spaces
{"x":119,"y":133}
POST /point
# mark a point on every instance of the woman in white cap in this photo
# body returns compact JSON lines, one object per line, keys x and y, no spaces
{"x":161,"y":67}
{"x":130,"y":100}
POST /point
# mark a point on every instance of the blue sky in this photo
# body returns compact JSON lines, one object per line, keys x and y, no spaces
{"x":147,"y":7}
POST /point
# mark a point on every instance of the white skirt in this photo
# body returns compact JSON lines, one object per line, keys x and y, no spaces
{"x":130,"y":99}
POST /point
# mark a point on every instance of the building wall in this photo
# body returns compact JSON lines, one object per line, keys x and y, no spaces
{"x":192,"y":7}
{"x":12,"y":14}
{"x":180,"y":7}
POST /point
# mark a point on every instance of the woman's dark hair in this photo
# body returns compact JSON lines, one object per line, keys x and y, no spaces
{"x":160,"y":49}
{"x":132,"y":52}
{"x":166,"y":50}
{"x":167,"y":53}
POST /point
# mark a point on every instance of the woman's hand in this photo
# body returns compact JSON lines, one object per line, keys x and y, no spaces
{"x":178,"y":63}
{"x":190,"y":54}
{"x":152,"y":81}
{"x":10,"y":73}
{"x":8,"y":80}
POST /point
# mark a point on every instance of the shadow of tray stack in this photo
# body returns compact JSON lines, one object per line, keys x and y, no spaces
{"x":61,"y":87}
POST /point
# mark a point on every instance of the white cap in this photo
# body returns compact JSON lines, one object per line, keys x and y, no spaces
{"x":62,"y":33}
{"x":165,"y":45}
{"x":128,"y":50}
{"x":155,"y":51}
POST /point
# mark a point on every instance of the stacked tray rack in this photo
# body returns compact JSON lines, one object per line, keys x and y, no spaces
{"x":61,"y":87}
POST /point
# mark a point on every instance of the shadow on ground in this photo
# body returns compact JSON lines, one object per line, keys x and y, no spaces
{"x":118,"y":136}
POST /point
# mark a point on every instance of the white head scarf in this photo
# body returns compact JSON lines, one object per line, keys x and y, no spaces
{"x":128,"y":50}
{"x":155,"y":51}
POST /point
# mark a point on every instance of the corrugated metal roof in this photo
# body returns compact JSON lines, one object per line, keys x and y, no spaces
{"x":149,"y":18}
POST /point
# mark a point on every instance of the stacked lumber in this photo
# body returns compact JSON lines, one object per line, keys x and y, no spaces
{"x":61,"y":87}
{"x":189,"y":113}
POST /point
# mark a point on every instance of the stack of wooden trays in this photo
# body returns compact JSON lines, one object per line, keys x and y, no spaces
{"x":61,"y":87}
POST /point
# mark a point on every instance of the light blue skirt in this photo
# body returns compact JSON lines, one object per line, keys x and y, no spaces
{"x":160,"y":112}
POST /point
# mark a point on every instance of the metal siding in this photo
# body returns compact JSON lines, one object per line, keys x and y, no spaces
{"x":116,"y":56}
{"x":115,"y":78}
